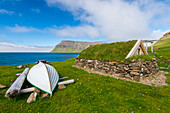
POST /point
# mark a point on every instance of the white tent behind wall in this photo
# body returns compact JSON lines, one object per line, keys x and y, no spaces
{"x":138,"y":49}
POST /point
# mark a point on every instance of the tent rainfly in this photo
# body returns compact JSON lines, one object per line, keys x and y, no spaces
{"x":138,"y":49}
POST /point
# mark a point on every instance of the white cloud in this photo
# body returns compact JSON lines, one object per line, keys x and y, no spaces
{"x":18,"y":28}
{"x":118,"y":19}
{"x":8,"y":47}
{"x":3,"y":11}
{"x":156,"y":34}
{"x":35,"y":10}
{"x":66,"y":31}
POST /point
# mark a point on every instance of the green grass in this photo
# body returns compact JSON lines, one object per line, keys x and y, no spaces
{"x":163,"y":57}
{"x":90,"y":93}
{"x":163,"y":44}
{"x":142,"y":57}
{"x":111,"y":51}
{"x":65,"y":50}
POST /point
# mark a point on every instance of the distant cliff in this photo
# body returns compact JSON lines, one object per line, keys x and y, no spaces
{"x":67,"y":46}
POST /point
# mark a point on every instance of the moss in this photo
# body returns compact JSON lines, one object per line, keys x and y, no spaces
{"x":110,"y":51}
{"x":142,"y":57}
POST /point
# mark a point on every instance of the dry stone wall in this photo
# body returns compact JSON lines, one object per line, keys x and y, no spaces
{"x":133,"y":70}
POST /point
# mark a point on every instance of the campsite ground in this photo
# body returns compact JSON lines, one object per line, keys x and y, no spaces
{"x":91,"y":92}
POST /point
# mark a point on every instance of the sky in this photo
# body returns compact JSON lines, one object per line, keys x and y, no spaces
{"x":38,"y":25}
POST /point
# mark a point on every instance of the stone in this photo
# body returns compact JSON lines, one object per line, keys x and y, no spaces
{"x":128,"y":76}
{"x":134,"y":73}
{"x":120,"y":66}
{"x":126,"y":68}
{"x":82,"y":60}
{"x":112,"y":63}
{"x":20,"y":66}
{"x":106,"y":68}
{"x":136,"y":78}
{"x":18,"y":74}
{"x":135,"y":68}
{"x":134,"y":60}
{"x":134,"y":64}
{"x":81,"y":64}
{"x":103,"y":71}
{"x":62,"y":86}
{"x":121,"y":75}
{"x":2,"y":86}
{"x":154,"y":59}
{"x":90,"y":61}
{"x":45,"y":95}
{"x":127,"y":62}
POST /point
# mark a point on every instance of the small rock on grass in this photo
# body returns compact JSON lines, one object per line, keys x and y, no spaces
{"x":2,"y":86}
{"x":45,"y":95}
{"x":62,"y":86}
{"x":32,"y":97}
{"x":18,"y":74}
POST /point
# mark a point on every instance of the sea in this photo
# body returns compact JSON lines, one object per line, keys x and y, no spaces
{"x":7,"y":59}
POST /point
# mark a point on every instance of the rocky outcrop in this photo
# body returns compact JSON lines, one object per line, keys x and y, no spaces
{"x":66,"y":46}
{"x":133,"y":70}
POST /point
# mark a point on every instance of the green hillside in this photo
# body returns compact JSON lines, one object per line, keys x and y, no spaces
{"x":164,"y":42}
{"x":65,"y":50}
{"x":110,"y":51}
{"x":67,"y":46}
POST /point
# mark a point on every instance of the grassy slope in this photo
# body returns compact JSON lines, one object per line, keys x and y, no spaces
{"x":163,"y":43}
{"x":112,"y":51}
{"x":89,"y":93}
{"x":65,"y":50}
{"x":69,"y":49}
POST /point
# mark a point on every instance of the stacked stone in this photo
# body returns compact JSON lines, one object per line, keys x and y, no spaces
{"x":133,"y":70}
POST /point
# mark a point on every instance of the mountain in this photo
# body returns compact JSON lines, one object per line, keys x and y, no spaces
{"x":163,"y":42}
{"x":67,"y":46}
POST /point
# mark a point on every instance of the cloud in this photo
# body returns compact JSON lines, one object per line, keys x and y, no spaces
{"x":35,"y":10}
{"x":79,"y":31}
{"x":3,"y":11}
{"x":8,"y":47}
{"x":65,"y":31}
{"x":18,"y":28}
{"x":118,"y":19}
{"x":156,"y":34}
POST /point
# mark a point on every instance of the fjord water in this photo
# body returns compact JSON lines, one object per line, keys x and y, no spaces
{"x":30,"y":58}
